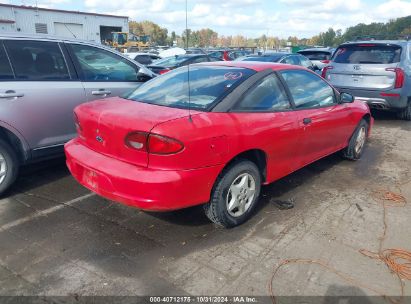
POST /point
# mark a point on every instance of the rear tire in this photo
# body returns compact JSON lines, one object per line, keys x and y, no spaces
{"x":9,"y":166}
{"x":405,"y":114}
{"x":357,"y":142}
{"x":234,"y":195}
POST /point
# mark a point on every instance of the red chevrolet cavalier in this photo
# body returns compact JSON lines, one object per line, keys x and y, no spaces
{"x":212,"y":134}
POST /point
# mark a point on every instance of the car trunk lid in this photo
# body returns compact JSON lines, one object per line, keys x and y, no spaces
{"x":365,"y":66}
{"x":106,"y":123}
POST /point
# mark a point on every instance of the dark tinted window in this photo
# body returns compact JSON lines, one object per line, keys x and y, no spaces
{"x":217,"y":54}
{"x":199,"y":59}
{"x":207,"y":84}
{"x":101,"y":65}
{"x":5,"y":68}
{"x":268,"y":95}
{"x":308,"y":90}
{"x":312,"y":55}
{"x":37,"y":60}
{"x":143,"y":59}
{"x":367,"y":53}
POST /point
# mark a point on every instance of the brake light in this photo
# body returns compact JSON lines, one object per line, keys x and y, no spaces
{"x":325,"y":61}
{"x":365,"y":45}
{"x":399,"y":77}
{"x":137,"y":140}
{"x":77,"y":123}
{"x":153,"y":143}
{"x":324,"y":71}
{"x":164,"y":71}
{"x":226,"y":57}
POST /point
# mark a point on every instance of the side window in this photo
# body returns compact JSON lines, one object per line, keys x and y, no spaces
{"x":305,"y":62}
{"x":267,"y":95}
{"x":308,"y":90}
{"x":5,"y":69}
{"x":199,"y":59}
{"x":291,"y":60}
{"x":37,"y":60}
{"x":143,"y":59}
{"x":100,"y":65}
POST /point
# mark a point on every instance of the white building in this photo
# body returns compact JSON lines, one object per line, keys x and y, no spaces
{"x":87,"y":26}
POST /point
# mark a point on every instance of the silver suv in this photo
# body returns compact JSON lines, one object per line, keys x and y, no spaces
{"x":377,"y":72}
{"x":42,"y":79}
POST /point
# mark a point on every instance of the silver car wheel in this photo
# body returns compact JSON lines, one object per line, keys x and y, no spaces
{"x":3,"y":168}
{"x":360,"y":141}
{"x":240,"y":195}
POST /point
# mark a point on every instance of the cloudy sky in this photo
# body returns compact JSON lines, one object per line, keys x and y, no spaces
{"x":252,"y":18}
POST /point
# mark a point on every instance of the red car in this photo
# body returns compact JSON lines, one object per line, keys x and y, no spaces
{"x":212,"y":134}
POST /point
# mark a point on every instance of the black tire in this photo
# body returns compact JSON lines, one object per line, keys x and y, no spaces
{"x":216,"y":210}
{"x":11,"y":164}
{"x":351,"y":151}
{"x":405,"y":114}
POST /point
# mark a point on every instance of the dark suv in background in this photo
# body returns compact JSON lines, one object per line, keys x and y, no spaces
{"x":377,"y":72}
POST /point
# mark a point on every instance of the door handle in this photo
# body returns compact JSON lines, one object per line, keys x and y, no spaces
{"x":11,"y":94}
{"x":101,"y":92}
{"x":307,"y":121}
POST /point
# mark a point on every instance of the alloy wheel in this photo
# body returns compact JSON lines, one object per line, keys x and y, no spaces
{"x":360,"y":141}
{"x":240,"y":195}
{"x":3,"y":168}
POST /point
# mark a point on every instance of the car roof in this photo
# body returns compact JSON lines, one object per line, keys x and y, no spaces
{"x":138,"y":54}
{"x":396,"y":42}
{"x":330,"y":50}
{"x":13,"y":35}
{"x":257,"y":66}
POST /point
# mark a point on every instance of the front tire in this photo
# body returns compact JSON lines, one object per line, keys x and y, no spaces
{"x":405,"y":114}
{"x":234,"y":195}
{"x":9,"y":166}
{"x":357,"y":142}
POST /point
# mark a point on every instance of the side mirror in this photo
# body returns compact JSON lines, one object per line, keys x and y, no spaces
{"x":144,"y":75}
{"x":346,"y":98}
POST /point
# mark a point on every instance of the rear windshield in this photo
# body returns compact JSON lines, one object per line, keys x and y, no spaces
{"x":261,"y":58}
{"x":367,"y":53}
{"x":315,"y":55}
{"x":207,"y":85}
{"x":170,"y":62}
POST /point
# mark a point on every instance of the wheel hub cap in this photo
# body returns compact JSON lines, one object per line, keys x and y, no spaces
{"x":359,"y":144}
{"x":240,"y":195}
{"x":3,"y":168}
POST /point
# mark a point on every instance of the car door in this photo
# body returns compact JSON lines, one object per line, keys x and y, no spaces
{"x":104,"y":73}
{"x":266,"y":111}
{"x":40,"y":99}
{"x":324,"y":122}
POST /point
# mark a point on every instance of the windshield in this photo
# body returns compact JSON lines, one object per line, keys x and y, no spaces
{"x":315,"y":55}
{"x":207,"y":85}
{"x":367,"y":53}
{"x":170,"y":62}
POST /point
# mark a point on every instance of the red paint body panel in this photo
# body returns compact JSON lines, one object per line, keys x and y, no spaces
{"x":211,"y":140}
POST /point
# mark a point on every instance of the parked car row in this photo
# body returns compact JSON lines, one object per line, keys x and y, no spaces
{"x":202,"y":130}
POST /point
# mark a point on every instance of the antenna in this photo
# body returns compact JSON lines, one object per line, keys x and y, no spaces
{"x":189,"y":93}
{"x":188,"y":70}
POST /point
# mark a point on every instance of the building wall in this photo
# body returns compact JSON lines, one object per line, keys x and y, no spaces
{"x":25,"y":20}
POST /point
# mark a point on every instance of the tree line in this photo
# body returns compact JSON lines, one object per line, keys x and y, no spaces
{"x":393,"y":29}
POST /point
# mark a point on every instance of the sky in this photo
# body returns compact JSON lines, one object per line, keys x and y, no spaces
{"x":251,"y":18}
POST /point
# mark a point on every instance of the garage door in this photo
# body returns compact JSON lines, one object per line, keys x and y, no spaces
{"x":72,"y":30}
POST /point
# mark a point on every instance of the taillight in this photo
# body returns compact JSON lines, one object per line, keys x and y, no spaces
{"x":325,"y":61}
{"x":77,"y":123}
{"x":153,"y":143}
{"x":137,"y":140}
{"x":324,"y":71}
{"x":226,"y":57}
{"x":164,"y":71}
{"x":399,"y":77}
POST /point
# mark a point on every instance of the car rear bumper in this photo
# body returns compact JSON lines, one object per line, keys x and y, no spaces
{"x":383,"y":100}
{"x":144,"y":188}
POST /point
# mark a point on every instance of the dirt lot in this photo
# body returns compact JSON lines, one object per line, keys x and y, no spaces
{"x":56,"y":238}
